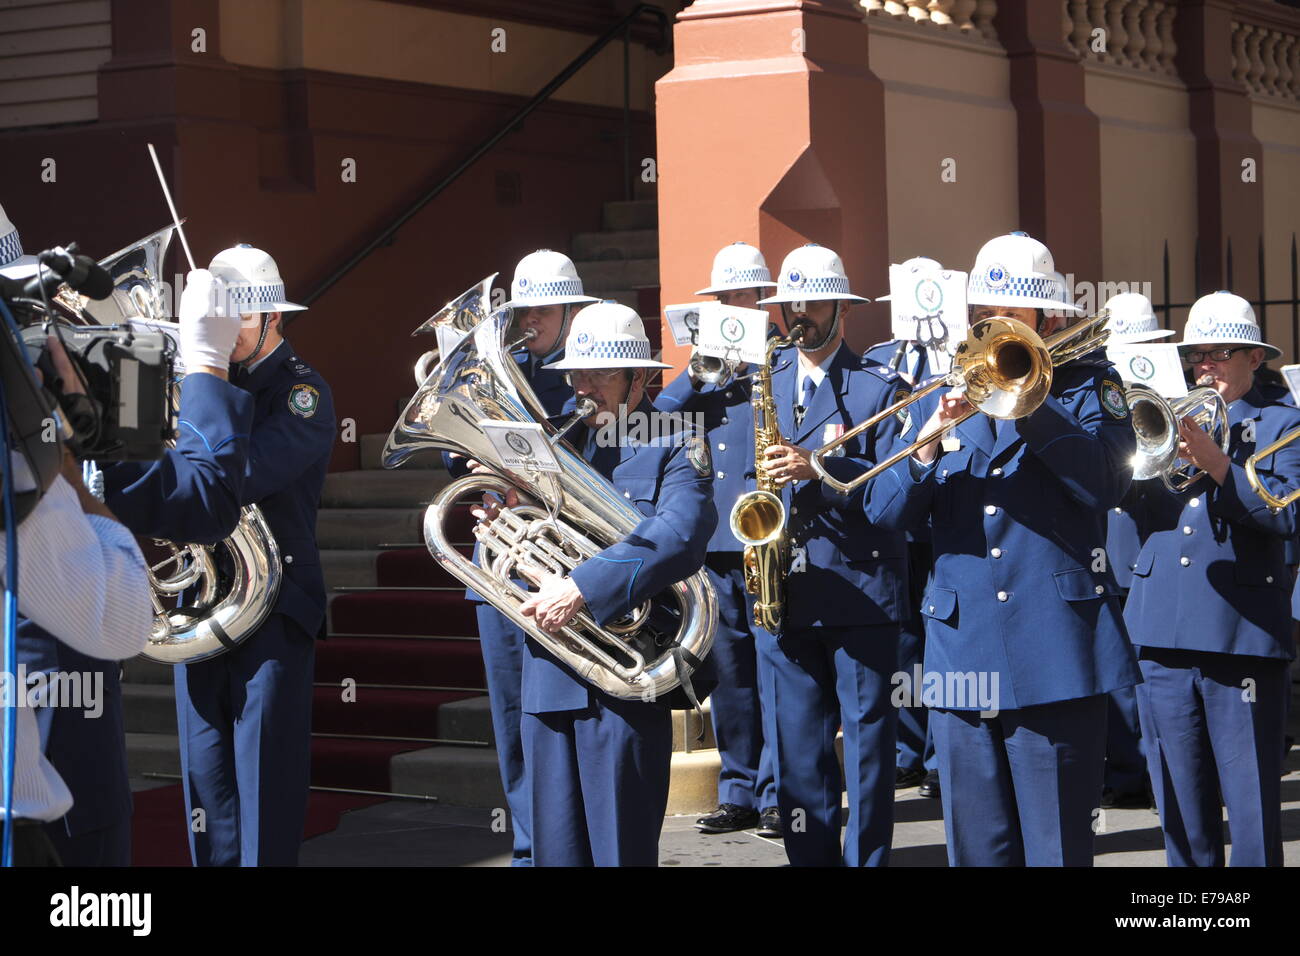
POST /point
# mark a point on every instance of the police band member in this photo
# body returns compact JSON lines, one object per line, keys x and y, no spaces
{"x":915,"y":764}
{"x":597,"y":766}
{"x":846,"y":590}
{"x":1132,"y":321}
{"x":544,"y":293}
{"x":200,"y":477}
{"x":746,"y":786}
{"x":244,"y":717}
{"x":1023,"y":625}
{"x":1209,"y":610}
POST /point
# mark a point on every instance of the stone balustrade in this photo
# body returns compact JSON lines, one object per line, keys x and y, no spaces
{"x":970,"y":17}
{"x":1266,"y":58}
{"x":1138,"y":34}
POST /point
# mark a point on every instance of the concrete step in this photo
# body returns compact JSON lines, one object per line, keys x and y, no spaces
{"x":149,"y":708}
{"x":634,"y":214}
{"x":381,"y":488}
{"x":349,"y":568}
{"x":372,"y":449}
{"x":619,"y":273}
{"x":362,"y":528}
{"x":468,"y":720}
{"x":152,"y":753}
{"x":621,"y":244}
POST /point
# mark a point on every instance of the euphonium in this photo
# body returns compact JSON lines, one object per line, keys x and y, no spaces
{"x":577,"y":514}
{"x":758,"y":517}
{"x":228,"y":603}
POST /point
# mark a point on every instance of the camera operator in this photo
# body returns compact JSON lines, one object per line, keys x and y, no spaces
{"x":82,"y":578}
{"x":196,"y":486}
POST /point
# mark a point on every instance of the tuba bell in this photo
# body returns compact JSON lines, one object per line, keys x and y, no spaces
{"x":578,"y":513}
{"x":229,"y":599}
{"x":1155,"y":423}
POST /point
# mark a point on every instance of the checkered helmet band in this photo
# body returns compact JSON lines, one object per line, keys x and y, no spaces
{"x":837,"y":285}
{"x":256,"y":298}
{"x":10,"y":248}
{"x":753,"y":274}
{"x":1019,"y":288}
{"x":1211,"y":330}
{"x":615,"y":350}
{"x":543,"y":290}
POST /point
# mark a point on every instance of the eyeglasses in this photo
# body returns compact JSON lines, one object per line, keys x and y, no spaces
{"x":596,"y":376}
{"x":1215,"y":355}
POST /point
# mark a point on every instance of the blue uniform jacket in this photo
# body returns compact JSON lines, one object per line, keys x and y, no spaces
{"x":728,"y":419}
{"x":191,"y":494}
{"x":855,"y":573}
{"x":1021,"y":588}
{"x":1123,"y":536}
{"x":1212,"y":575}
{"x":666,"y":547}
{"x":292,"y":434}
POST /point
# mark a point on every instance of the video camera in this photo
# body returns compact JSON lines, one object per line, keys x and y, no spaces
{"x":126,"y":411}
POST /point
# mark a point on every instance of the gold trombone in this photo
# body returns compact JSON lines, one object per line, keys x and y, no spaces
{"x":1005,"y":368}
{"x":1270,"y":499}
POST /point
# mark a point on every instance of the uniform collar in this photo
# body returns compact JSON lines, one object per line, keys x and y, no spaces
{"x":262,"y":370}
{"x":1248,"y":406}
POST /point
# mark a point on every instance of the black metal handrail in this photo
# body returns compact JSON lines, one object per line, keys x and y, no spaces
{"x":624,"y":27}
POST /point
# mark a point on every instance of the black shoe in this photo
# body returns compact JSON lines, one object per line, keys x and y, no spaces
{"x":769,"y":823}
{"x":930,"y":786}
{"x":728,"y":818}
{"x":1134,"y":800}
{"x":904,"y":778}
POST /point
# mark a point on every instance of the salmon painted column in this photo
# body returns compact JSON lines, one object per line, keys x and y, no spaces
{"x":771,"y":131}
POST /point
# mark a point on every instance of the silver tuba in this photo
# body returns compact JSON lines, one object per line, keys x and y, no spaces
{"x":647,"y":654}
{"x":1155,"y":422}
{"x":229,"y":602}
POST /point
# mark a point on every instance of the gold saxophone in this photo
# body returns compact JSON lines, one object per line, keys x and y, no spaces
{"x":758,"y":517}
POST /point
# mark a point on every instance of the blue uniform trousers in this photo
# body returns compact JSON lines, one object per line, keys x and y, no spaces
{"x":108,"y":846}
{"x":602,"y":776}
{"x":1126,"y":768}
{"x":1022,"y":788}
{"x":816,"y":680}
{"x":746,"y":778}
{"x":502,"y":644}
{"x":1205,"y":737}
{"x":915,"y":750}
{"x":244,"y":719}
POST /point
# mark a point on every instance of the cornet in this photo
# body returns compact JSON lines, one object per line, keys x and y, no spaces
{"x":1155,"y":422}
{"x":1005,"y":368}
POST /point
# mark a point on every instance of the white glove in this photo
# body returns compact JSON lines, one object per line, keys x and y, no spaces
{"x":207,"y":335}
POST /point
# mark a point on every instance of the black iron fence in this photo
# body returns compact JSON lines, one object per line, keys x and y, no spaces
{"x":1282,"y":310}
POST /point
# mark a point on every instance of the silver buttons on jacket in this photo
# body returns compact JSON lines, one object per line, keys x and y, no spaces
{"x":1185,"y":561}
{"x":996,"y":552}
{"x":1195,"y":502}
{"x":1003,"y":596}
{"x":1098,"y":590}
{"x":288,"y":559}
{"x":722,"y":446}
{"x":990,"y":509}
{"x":1187,"y":529}
{"x":722,"y":474}
{"x":997,"y":472}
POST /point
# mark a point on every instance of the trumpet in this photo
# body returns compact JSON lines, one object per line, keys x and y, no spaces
{"x":1155,"y":422}
{"x":1005,"y":368}
{"x":712,"y":370}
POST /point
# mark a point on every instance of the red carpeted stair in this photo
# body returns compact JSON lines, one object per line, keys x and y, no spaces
{"x":402,"y":652}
